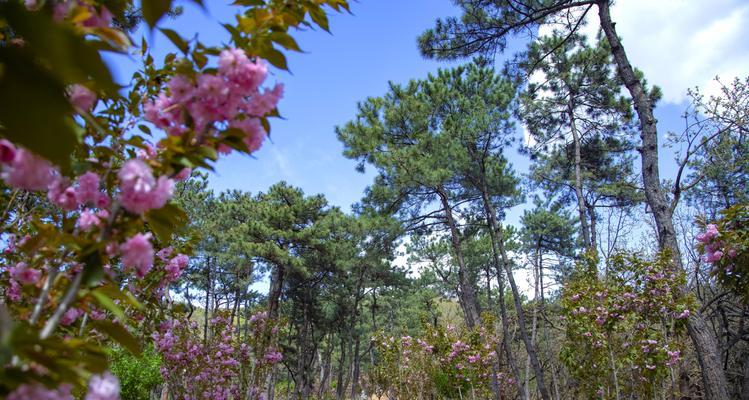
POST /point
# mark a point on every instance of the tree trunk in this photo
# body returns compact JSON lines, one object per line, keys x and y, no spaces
{"x":496,"y":235}
{"x":713,"y":377}
{"x":274,"y":292}
{"x":355,"y":388}
{"x":325,"y":365}
{"x":593,"y":226}
{"x":745,"y":380}
{"x":584,"y":228}
{"x":208,"y":290}
{"x":466,"y":290}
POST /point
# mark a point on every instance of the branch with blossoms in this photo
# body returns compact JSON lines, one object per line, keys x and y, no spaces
{"x":725,"y":246}
{"x":89,"y":195}
{"x":624,"y":331}
{"x":445,"y":362}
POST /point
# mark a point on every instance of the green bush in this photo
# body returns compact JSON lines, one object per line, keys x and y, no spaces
{"x":138,"y":375}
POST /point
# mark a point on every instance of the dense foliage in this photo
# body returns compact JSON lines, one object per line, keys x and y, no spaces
{"x":123,"y":274}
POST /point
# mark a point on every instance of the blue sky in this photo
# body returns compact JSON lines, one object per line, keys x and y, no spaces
{"x":377,"y":44}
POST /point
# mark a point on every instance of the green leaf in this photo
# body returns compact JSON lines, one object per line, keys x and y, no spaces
{"x":176,"y":39}
{"x":93,"y":270}
{"x":33,"y":109}
{"x":119,"y":334}
{"x":69,"y":56}
{"x":285,"y":40}
{"x":109,"y":304}
{"x":145,"y":129}
{"x":319,"y":17}
{"x":153,"y":10}
{"x":165,"y":220}
{"x":276,"y":58}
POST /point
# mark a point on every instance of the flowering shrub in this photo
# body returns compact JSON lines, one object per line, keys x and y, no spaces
{"x":218,"y":367}
{"x":445,"y":363}
{"x":87,"y":183}
{"x":725,"y":245}
{"x":623,"y":330}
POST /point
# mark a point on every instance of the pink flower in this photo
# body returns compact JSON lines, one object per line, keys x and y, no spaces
{"x":62,"y":194}
{"x":103,"y":387}
{"x":36,"y":391}
{"x":140,"y":192}
{"x":245,"y":74}
{"x":183,"y":174}
{"x":22,"y":273}
{"x":137,"y":253}
{"x":13,"y":292}
{"x":180,"y":88}
{"x":164,"y":253}
{"x":88,"y":188}
{"x":97,"y":315}
{"x":713,"y":257}
{"x":147,"y":153}
{"x":673,"y":357}
{"x":155,"y":111}
{"x":264,"y":103}
{"x":102,"y":201}
{"x":70,"y":316}
{"x":175,"y":266}
{"x":87,"y":220}
{"x":100,"y":19}
{"x":81,"y":97}
{"x":7,"y":151}
{"x":683,"y":315}
{"x":273,"y":356}
{"x":27,"y":171}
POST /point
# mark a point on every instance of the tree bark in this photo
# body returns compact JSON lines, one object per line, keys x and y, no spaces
{"x":713,"y":376}
{"x":340,"y":389}
{"x":274,"y":292}
{"x":497,"y":237}
{"x":584,"y":228}
{"x":466,"y":290}
{"x":208,"y":290}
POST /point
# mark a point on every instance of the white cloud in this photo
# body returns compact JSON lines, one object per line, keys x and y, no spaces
{"x":680,"y":44}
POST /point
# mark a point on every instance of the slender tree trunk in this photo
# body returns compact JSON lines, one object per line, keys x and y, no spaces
{"x":274,"y":292}
{"x":208,"y":287}
{"x":355,"y":388}
{"x":497,"y":236}
{"x":593,"y":227}
{"x":326,"y":366}
{"x":534,"y":320}
{"x":584,"y":228}
{"x":506,"y":327}
{"x":340,"y":389}
{"x":713,"y":376}
{"x":466,"y":290}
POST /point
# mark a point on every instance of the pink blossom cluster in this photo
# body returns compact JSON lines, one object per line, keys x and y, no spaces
{"x":139,"y":190}
{"x":231,"y":98}
{"x":36,"y":391}
{"x":625,"y":313}
{"x":197,"y":369}
{"x":81,"y":97}
{"x":23,"y":169}
{"x":100,"y":387}
{"x":96,"y":18}
{"x":714,"y":249}
{"x":137,"y":253}
{"x":467,"y":358}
